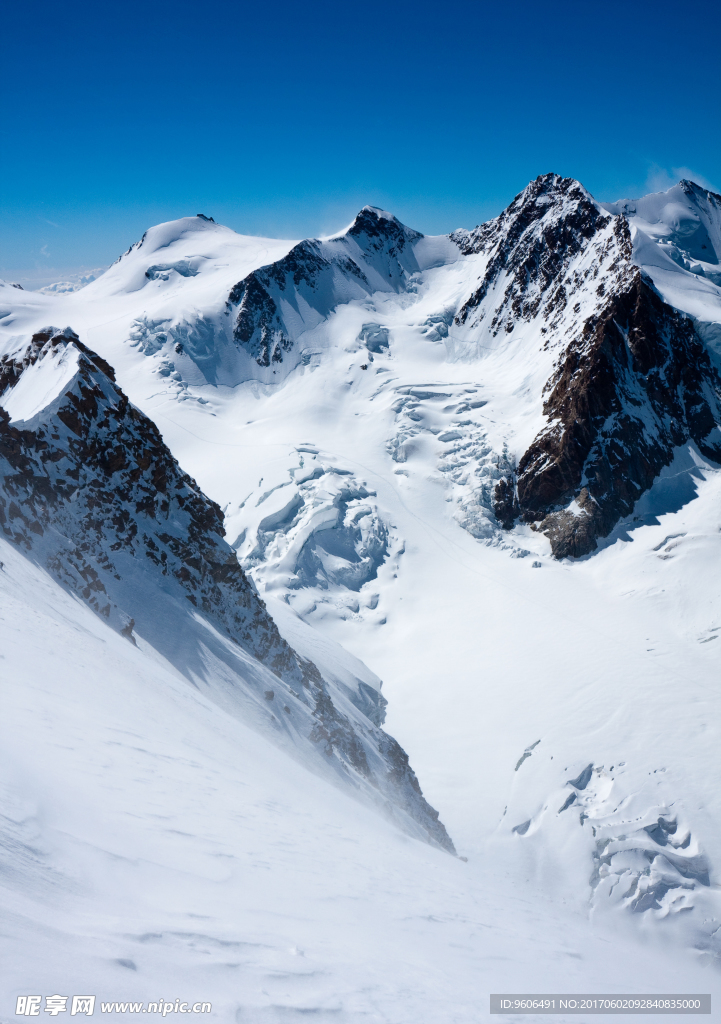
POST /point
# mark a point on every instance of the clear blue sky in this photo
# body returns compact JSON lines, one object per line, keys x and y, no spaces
{"x":284,"y":118}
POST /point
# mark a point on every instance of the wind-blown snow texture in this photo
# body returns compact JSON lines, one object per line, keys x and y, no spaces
{"x":486,"y":465}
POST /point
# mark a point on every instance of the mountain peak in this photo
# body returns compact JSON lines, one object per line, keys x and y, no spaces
{"x":376,"y":224}
{"x":551,"y":214}
{"x":685,"y":218}
{"x":554,"y":187}
{"x":696,"y":190}
{"x":160,"y":236}
{"x":49,"y":382}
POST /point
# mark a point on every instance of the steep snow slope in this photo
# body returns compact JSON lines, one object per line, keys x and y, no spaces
{"x":401,"y":413}
{"x":154,"y":847}
{"x":90,"y":491}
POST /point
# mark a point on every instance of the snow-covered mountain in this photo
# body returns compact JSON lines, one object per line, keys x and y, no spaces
{"x":617,"y":376}
{"x":630,"y":381}
{"x":88,"y":488}
{"x":273,"y":306}
{"x":401,"y":431}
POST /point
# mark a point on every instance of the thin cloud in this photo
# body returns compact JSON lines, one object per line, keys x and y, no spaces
{"x":660,"y":179}
{"x":700,"y":179}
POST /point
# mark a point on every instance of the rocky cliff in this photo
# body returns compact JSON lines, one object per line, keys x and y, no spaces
{"x":631,"y":378}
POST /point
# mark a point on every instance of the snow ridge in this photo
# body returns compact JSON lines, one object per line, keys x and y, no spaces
{"x":277,"y":303}
{"x":89,"y":489}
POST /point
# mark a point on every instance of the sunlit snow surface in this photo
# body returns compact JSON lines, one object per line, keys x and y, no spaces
{"x":154,"y":847}
{"x":156,"y":831}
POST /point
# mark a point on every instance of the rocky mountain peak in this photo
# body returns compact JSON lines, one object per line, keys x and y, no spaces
{"x":691,"y":188}
{"x":529,"y":250}
{"x":631,"y":379}
{"x":554,"y":187}
{"x":317,"y":275}
{"x":549,"y":198}
{"x":49,"y":339}
{"x":374,"y":228}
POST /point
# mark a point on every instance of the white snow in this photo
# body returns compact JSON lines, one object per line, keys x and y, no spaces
{"x":154,"y":847}
{"x":41,"y":384}
{"x":153,"y":813}
{"x":677,"y":241}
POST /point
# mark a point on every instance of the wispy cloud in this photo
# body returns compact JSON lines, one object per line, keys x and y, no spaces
{"x":660,"y":179}
{"x":44,"y":252}
{"x":50,"y":222}
{"x":76,"y":282}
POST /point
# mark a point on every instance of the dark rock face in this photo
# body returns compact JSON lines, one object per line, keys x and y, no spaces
{"x":90,"y":491}
{"x":381,"y":234}
{"x":532,"y":243}
{"x":505,"y":502}
{"x":259,"y":325}
{"x":631,"y":381}
{"x":99,"y":473}
{"x":637,"y":383}
{"x":322,"y":274}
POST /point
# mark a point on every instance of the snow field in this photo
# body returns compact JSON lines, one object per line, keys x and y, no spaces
{"x":155,"y":847}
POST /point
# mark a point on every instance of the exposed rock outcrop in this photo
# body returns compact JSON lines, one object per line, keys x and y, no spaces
{"x":530,"y":246}
{"x":275,"y":302}
{"x":631,"y":381}
{"x":637,"y":383}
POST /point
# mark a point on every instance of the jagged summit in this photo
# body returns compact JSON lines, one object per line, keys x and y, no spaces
{"x":371,"y":220}
{"x":691,"y":188}
{"x":549,"y":197}
{"x":375,"y":213}
{"x":372,"y":225}
{"x":278,"y":302}
{"x":555,"y":186}
{"x":529,"y":248}
{"x":560,"y":270}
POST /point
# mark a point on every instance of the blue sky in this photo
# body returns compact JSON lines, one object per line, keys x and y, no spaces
{"x":285,"y":118}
